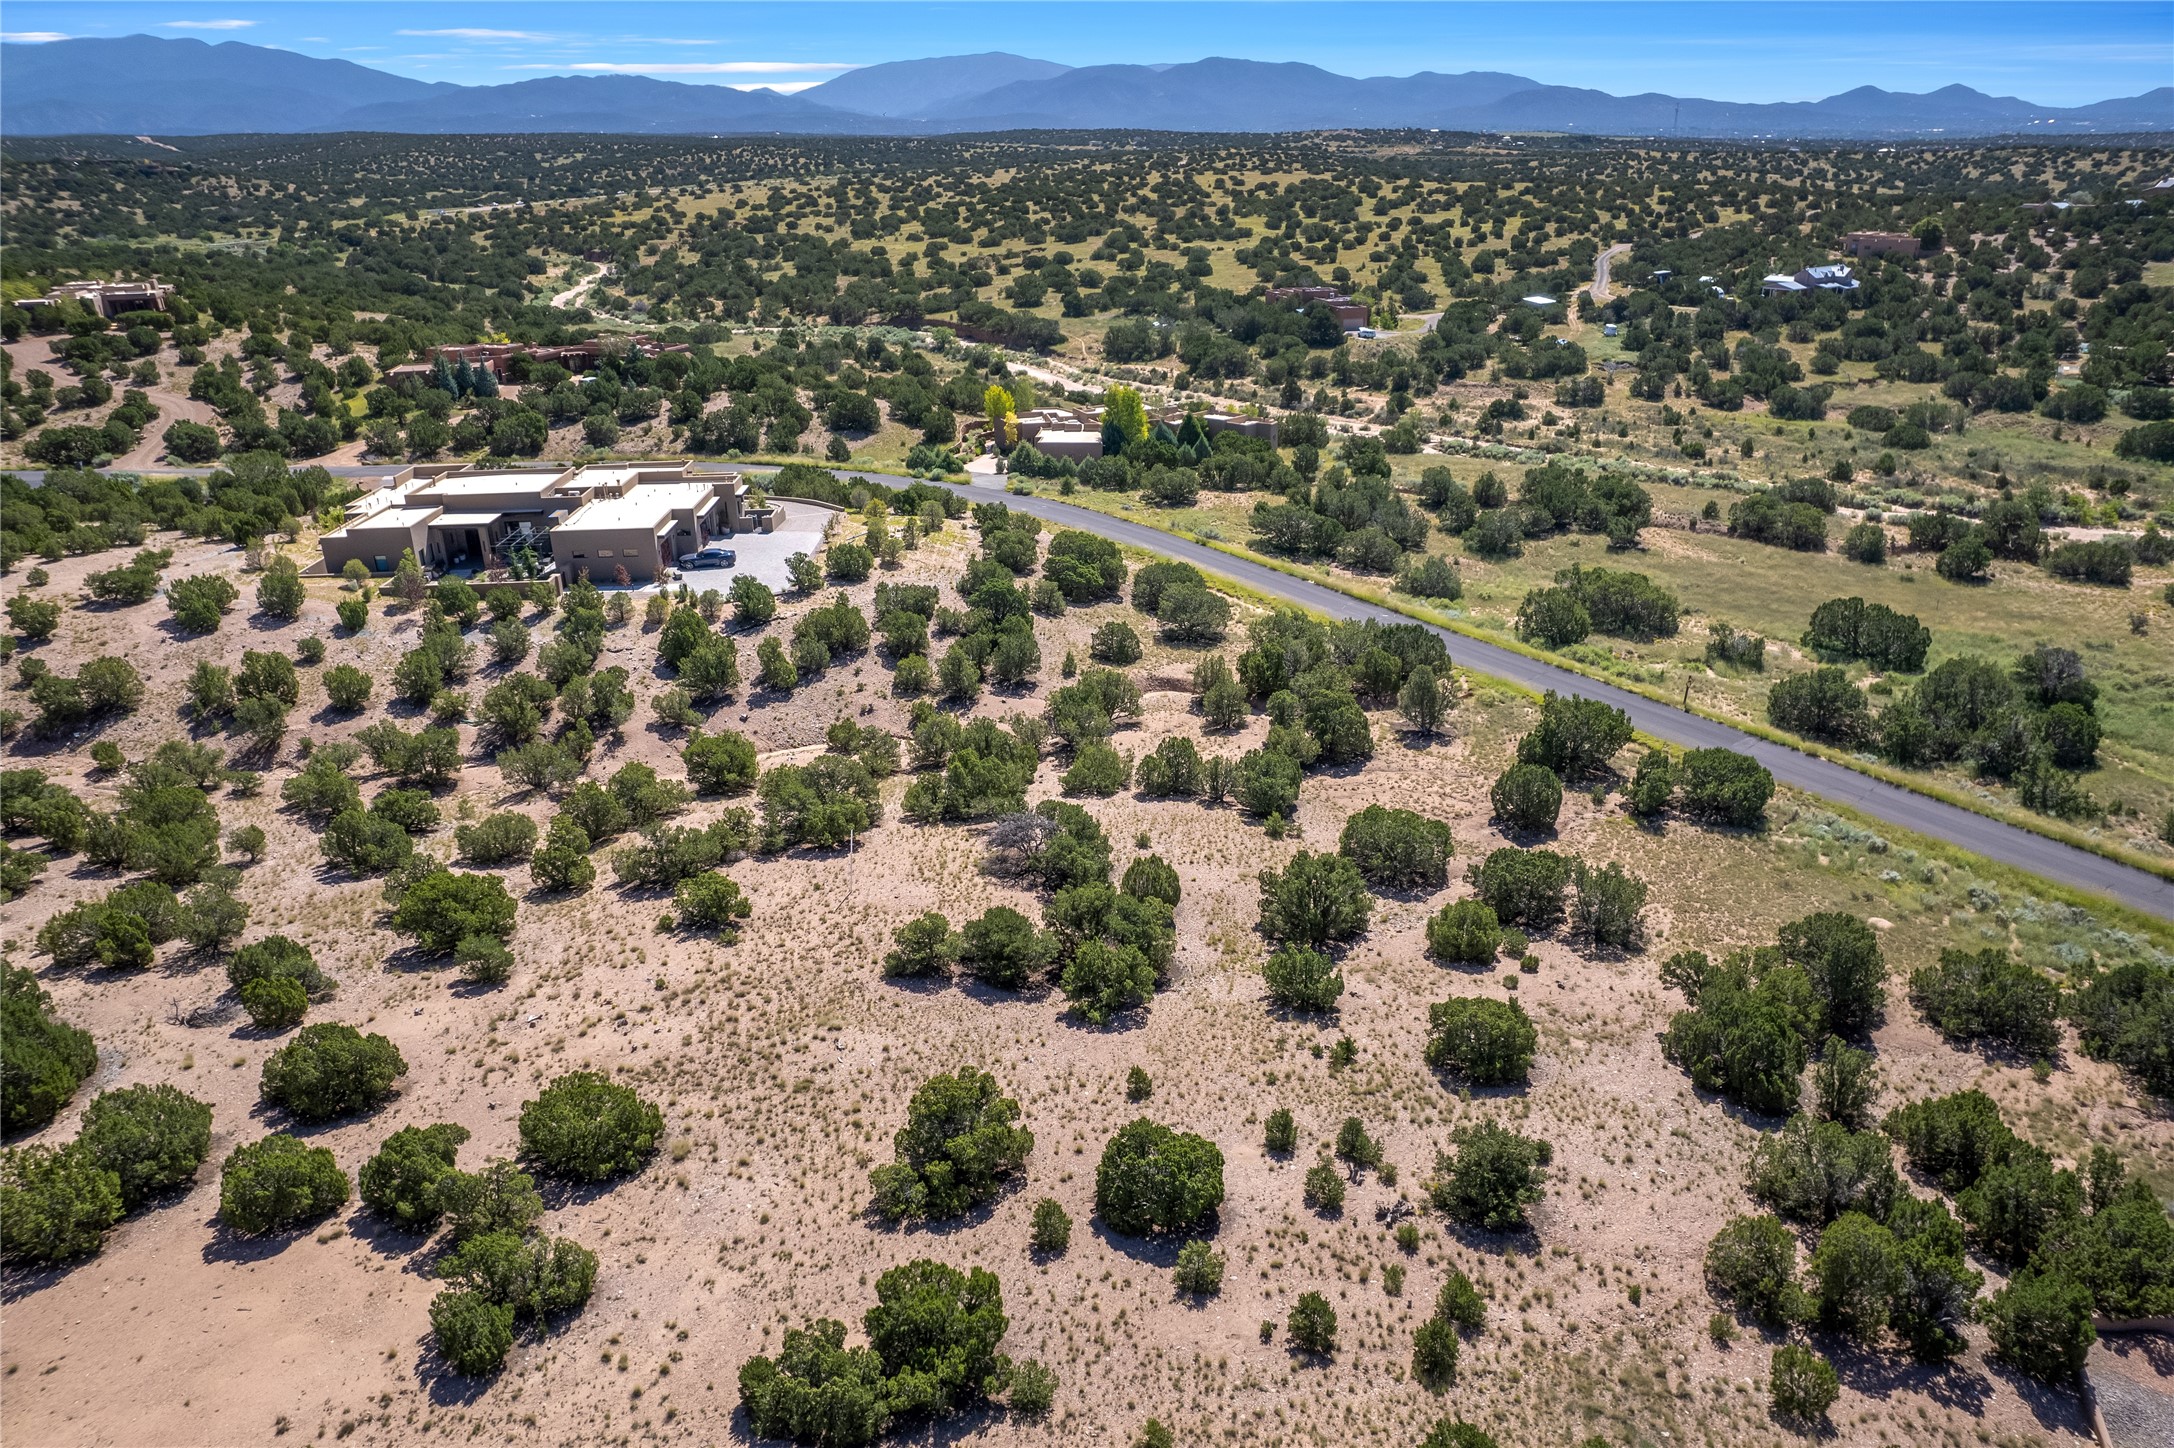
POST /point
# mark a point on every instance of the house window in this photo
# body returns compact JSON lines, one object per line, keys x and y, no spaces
{"x":382,"y":565}
{"x":602,"y":553}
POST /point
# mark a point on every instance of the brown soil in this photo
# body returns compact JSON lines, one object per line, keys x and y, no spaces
{"x":783,"y":1065}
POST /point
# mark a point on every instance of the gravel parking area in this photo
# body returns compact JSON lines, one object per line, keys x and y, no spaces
{"x":763,"y":555}
{"x":2133,"y":1376}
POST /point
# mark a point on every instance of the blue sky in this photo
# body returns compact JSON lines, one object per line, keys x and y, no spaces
{"x":2055,"y":52}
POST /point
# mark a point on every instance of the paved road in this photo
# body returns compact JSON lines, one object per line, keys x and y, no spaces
{"x":1888,"y":803}
{"x":1601,"y":264}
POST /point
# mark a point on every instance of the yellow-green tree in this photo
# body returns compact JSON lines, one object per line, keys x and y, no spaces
{"x":996,"y":403}
{"x":1124,"y":419}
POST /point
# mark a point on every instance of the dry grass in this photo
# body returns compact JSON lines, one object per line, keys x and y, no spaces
{"x":782,"y":1065}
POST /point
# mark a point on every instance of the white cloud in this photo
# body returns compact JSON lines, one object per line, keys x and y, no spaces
{"x":470,"y":33}
{"x":715,"y":67}
{"x":32,"y":37}
{"x":206,"y":24}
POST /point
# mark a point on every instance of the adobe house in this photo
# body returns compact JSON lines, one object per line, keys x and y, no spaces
{"x":585,"y":521}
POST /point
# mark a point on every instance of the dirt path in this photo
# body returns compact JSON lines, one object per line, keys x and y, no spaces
{"x":1601,"y":264}
{"x":173,"y":406}
{"x":573,"y":294}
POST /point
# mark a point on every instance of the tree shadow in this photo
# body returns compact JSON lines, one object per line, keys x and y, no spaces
{"x":445,"y":1385}
{"x":388,"y":1238}
{"x":228,"y":1245}
{"x":20,"y":1283}
{"x":1160,"y":1253}
{"x":558,"y":1193}
{"x":1882,"y":1375}
{"x":2055,"y":1408}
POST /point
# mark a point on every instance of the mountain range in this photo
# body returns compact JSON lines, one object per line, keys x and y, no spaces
{"x":148,"y":85}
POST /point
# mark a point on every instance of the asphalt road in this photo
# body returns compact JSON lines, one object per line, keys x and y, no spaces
{"x":1888,"y":803}
{"x":1601,"y":264}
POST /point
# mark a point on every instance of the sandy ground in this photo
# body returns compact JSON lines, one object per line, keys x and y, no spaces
{"x":783,"y":1065}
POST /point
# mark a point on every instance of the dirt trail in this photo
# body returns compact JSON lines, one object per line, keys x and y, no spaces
{"x":573,"y":294}
{"x":173,"y":406}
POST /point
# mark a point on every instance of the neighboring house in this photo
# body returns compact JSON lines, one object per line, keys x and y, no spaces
{"x":1881,"y":243}
{"x":585,"y":521}
{"x":107,"y":299}
{"x":1350,"y":314}
{"x":1834,"y":277}
{"x":1076,"y":432}
{"x":492,"y":356}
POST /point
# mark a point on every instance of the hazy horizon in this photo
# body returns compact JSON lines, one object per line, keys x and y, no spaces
{"x":2054,"y":55}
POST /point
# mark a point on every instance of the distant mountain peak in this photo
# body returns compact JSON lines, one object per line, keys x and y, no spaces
{"x":156,"y":85}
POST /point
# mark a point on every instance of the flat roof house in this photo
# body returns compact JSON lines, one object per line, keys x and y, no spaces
{"x":585,"y":521}
{"x":1881,"y":243}
{"x":107,"y":299}
{"x":1834,"y":277}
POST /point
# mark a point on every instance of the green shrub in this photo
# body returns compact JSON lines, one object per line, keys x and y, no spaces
{"x":1301,"y":979}
{"x":537,"y":1276}
{"x":1152,"y":1179}
{"x":1323,"y":1189}
{"x":1314,"y":900}
{"x":1052,"y":1230}
{"x":1034,"y":1389}
{"x":1464,"y":932}
{"x":499,"y":1198}
{"x":1527,"y":797}
{"x":1312,"y":1325}
{"x":1954,"y":1139}
{"x":961,"y":1141}
{"x":277,"y":1182}
{"x":1456,"y":1433}
{"x":152,"y":1138}
{"x":331,"y":1070}
{"x":1460,"y":1303}
{"x":1752,"y":1264}
{"x":1280,"y":1132}
{"x":55,"y":1203}
{"x":1199,"y":1270}
{"x":1485,"y":1042}
{"x":1989,"y":995}
{"x":42,"y":1059}
{"x":401,"y":1182}
{"x":448,"y":906}
{"x":275,"y":956}
{"x":1396,"y":848}
{"x":1812,"y":1172}
{"x":1802,"y":1385}
{"x":925,"y":946}
{"x":713,"y":902}
{"x":274,"y":1003}
{"x":472,"y":1333}
{"x":1841,"y":955}
{"x":1523,"y":887}
{"x":1494,"y":1176}
{"x":1720,"y":784}
{"x":496,"y":839}
{"x":2040,"y":1323}
{"x":1434,"y":1355}
{"x":586,"y":1128}
{"x":1002,"y":948}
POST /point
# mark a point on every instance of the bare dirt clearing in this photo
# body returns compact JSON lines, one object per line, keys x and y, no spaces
{"x":783,"y":1065}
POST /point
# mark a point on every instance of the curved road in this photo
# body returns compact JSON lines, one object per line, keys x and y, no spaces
{"x":1601,"y":264}
{"x":1891,"y":804}
{"x":1888,"y":803}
